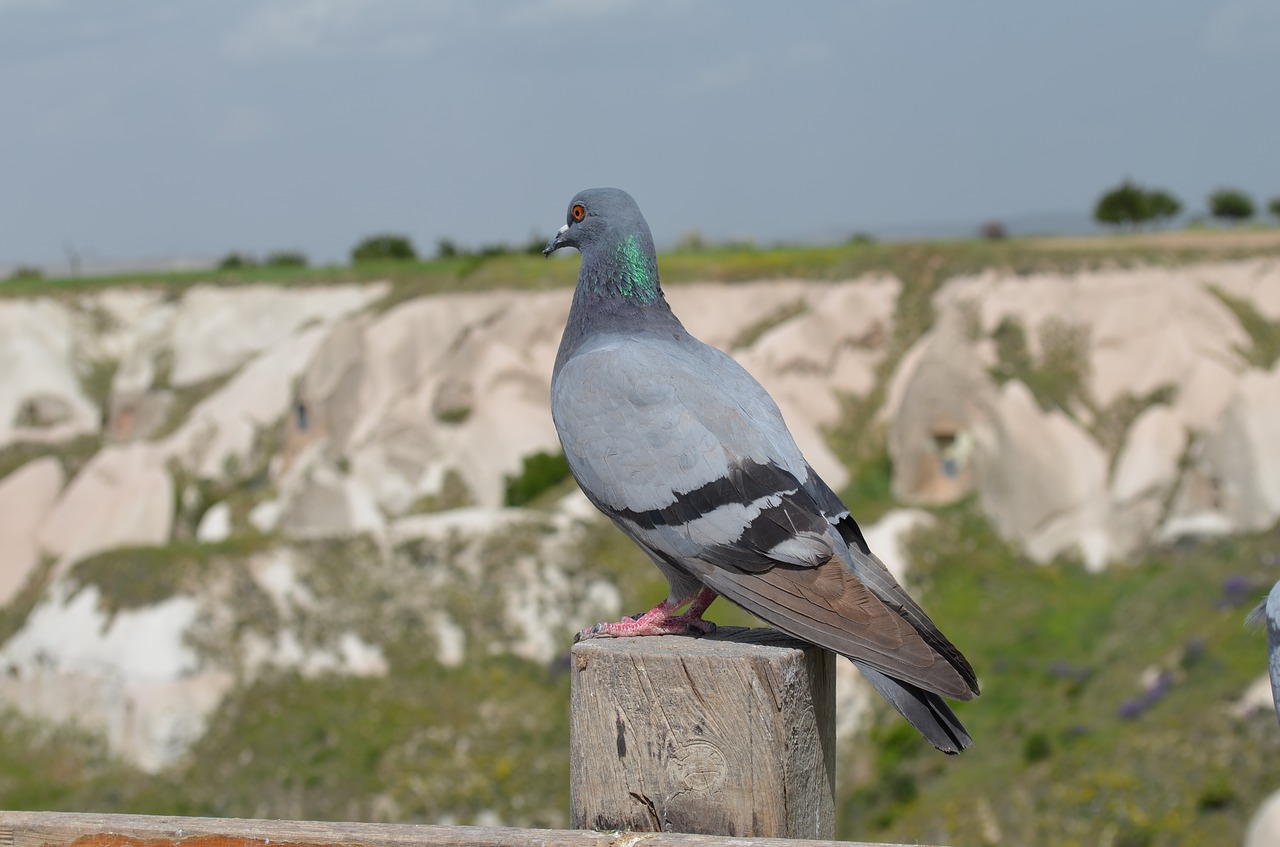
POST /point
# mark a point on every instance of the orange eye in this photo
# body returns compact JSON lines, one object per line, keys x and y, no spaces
{"x":577,"y":212}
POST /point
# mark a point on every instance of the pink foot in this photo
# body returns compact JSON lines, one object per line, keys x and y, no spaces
{"x":659,"y":620}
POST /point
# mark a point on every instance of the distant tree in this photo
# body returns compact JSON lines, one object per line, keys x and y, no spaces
{"x":692,"y":241}
{"x":381,"y":248}
{"x":994,"y":231}
{"x":447,"y":248}
{"x":488,"y":251}
{"x":235,"y":261}
{"x":1127,"y":204}
{"x":26,"y":272}
{"x":1230,"y":205}
{"x":1274,"y":207}
{"x":286,"y":259}
{"x":1162,"y":206}
{"x":535,"y":245}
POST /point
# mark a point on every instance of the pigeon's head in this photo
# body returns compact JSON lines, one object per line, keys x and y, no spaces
{"x":600,"y":217}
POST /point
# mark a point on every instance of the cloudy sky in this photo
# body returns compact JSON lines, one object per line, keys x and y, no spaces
{"x":138,"y":129}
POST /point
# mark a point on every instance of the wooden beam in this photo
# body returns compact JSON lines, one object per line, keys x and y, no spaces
{"x":72,"y":829}
{"x":730,"y":734}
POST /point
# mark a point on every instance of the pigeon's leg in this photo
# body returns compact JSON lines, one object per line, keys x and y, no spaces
{"x":660,"y":620}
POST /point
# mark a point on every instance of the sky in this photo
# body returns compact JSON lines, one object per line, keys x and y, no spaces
{"x":140,"y":130}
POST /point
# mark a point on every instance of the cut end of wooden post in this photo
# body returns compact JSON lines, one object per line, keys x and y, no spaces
{"x":729,"y":734}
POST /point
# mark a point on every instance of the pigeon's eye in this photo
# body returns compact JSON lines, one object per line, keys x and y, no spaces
{"x":577,"y":212}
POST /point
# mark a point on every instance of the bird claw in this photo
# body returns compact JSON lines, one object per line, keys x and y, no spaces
{"x":701,"y":628}
{"x":636,"y":626}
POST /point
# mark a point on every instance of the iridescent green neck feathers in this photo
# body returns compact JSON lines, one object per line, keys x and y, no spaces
{"x":636,"y":271}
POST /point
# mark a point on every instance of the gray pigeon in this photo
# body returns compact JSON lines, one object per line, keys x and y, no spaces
{"x":690,"y":457}
{"x":1269,"y":610}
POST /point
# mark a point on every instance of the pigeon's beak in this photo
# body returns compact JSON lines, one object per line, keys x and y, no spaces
{"x":556,"y":242}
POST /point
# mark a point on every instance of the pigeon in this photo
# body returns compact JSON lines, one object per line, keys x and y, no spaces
{"x":1269,"y":610}
{"x":689,"y":456}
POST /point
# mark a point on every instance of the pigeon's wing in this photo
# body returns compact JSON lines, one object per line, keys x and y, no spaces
{"x":689,"y":456}
{"x":877,"y":577}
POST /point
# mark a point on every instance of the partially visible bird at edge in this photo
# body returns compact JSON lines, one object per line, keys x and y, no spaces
{"x":689,"y":456}
{"x":1269,"y":611}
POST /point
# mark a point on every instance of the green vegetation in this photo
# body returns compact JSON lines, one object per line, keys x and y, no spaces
{"x":382,"y":248}
{"x":424,"y":743}
{"x":906,"y":260}
{"x":453,"y":494}
{"x":1273,"y":206}
{"x":752,"y":334}
{"x":1070,"y":744}
{"x":1057,"y":378}
{"x":1231,"y":205}
{"x":278,"y":259}
{"x":1264,"y":334}
{"x":14,"y":615}
{"x":26,"y":273}
{"x":134,"y":577}
{"x":60,"y":767}
{"x":1133,"y":205}
{"x":538,"y":473}
{"x":1111,"y":424}
{"x":72,"y":455}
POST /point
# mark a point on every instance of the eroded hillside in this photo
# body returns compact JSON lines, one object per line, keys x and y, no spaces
{"x":257,"y":535}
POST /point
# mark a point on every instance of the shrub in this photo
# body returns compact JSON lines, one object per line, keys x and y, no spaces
{"x":1036,"y":748}
{"x":538,"y":473}
{"x":26,"y":272}
{"x":1274,"y":207}
{"x":235,"y":261}
{"x":1230,"y":205}
{"x":994,"y":231}
{"x":381,"y":248}
{"x":692,"y":241}
{"x":286,"y":259}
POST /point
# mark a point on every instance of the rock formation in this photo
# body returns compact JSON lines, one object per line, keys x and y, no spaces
{"x":1090,"y":415}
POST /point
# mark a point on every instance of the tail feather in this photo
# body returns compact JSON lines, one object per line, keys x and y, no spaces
{"x":924,"y":710}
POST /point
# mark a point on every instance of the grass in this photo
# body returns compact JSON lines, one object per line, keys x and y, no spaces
{"x":136,"y":577}
{"x":726,"y":264}
{"x":1059,"y":376}
{"x":1264,"y":335}
{"x":1068,"y":750}
{"x":424,"y":743}
{"x":751,"y":334}
{"x":72,"y":455}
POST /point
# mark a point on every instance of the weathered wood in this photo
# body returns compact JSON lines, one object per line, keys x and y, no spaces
{"x":68,"y":829}
{"x":731,"y":734}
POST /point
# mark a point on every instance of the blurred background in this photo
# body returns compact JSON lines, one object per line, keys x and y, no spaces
{"x":284,"y":526}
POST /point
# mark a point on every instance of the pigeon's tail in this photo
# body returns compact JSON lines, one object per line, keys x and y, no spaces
{"x":924,"y":710}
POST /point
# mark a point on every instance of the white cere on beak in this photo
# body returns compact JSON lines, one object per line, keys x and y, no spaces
{"x":562,"y":230}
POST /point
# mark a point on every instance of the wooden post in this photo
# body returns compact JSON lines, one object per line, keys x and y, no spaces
{"x":731,"y":734}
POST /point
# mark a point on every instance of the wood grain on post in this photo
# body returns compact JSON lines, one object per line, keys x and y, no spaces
{"x":730,"y":734}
